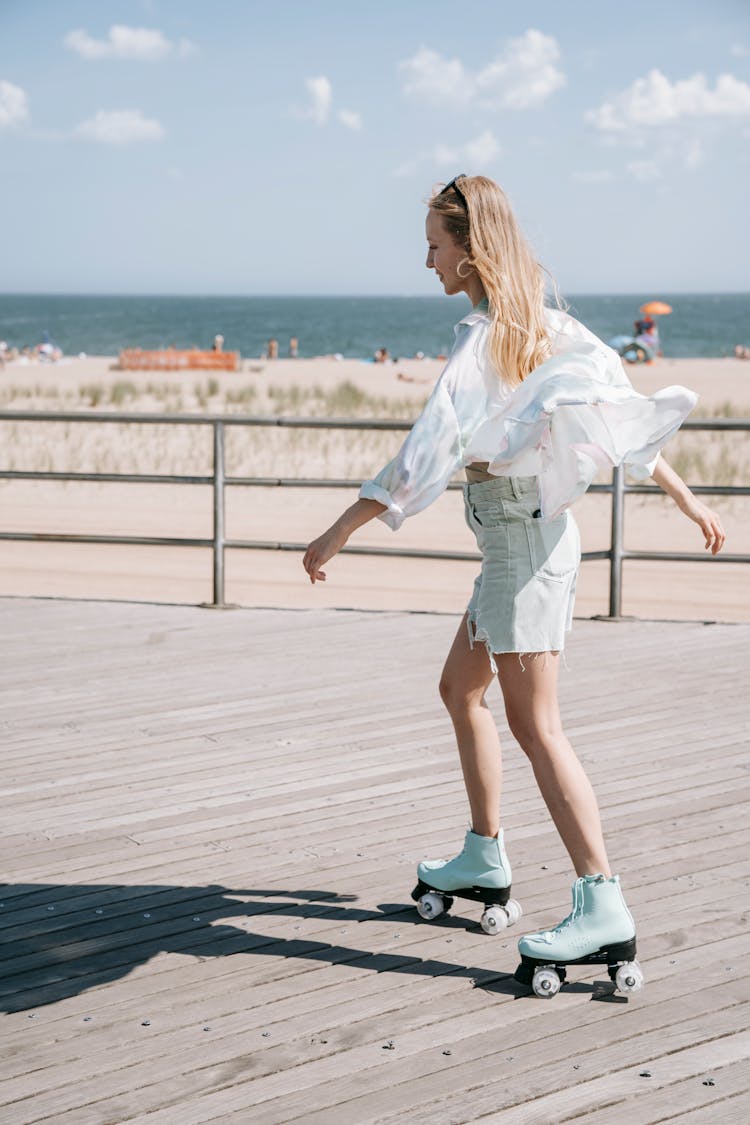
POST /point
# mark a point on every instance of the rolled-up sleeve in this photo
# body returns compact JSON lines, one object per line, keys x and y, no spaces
{"x":424,"y":465}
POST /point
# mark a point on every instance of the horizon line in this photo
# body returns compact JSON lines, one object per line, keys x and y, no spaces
{"x":369,"y":296}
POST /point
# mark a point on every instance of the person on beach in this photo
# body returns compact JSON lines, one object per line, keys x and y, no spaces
{"x":646,"y":333}
{"x":531,"y":405}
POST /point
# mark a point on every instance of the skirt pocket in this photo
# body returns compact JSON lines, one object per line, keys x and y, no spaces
{"x":489,"y":513}
{"x":554,"y":547}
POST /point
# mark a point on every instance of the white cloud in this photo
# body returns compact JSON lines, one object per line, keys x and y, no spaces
{"x":522,"y":76}
{"x":644,"y":171}
{"x":525,"y":75}
{"x":431,"y":78}
{"x":444,"y":155}
{"x":320,"y":105}
{"x":120,"y":127}
{"x":595,"y":176}
{"x":123,"y":42}
{"x":350,"y":118}
{"x":408,"y":168}
{"x":739,"y":50}
{"x":321,"y":97}
{"x":13,"y":106}
{"x":482,"y":150}
{"x":654,"y":100}
{"x":476,"y":154}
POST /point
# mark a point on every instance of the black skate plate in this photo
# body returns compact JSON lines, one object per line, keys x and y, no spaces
{"x":611,"y":955}
{"x":489,"y":896}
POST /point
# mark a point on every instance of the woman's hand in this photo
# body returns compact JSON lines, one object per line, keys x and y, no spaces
{"x":707,"y":520}
{"x":330,"y":542}
{"x":321,"y":550}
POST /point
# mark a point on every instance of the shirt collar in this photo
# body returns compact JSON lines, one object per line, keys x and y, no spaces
{"x":479,"y":312}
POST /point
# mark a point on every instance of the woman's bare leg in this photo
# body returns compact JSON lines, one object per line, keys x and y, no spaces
{"x":531,"y":706}
{"x":465,"y":679}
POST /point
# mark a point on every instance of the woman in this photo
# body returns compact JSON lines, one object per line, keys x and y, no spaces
{"x":531,"y":405}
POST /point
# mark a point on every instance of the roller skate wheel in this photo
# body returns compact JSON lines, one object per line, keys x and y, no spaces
{"x":629,"y":978}
{"x":494,"y":920}
{"x":430,"y":906}
{"x":513,"y":910}
{"x":545,"y":983}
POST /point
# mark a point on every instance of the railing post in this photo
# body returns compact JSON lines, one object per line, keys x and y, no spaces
{"x":616,"y":549}
{"x":218,"y":549}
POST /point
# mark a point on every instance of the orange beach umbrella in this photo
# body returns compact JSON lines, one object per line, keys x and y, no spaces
{"x":656,"y":308}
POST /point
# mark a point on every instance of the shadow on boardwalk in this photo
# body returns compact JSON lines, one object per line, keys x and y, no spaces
{"x":60,"y":941}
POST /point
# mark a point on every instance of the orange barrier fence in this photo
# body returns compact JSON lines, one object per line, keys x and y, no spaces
{"x":134,"y":359}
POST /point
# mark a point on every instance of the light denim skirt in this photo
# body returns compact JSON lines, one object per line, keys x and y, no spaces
{"x":523,"y":597}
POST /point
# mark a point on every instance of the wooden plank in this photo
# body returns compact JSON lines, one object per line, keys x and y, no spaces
{"x":720,"y":1093}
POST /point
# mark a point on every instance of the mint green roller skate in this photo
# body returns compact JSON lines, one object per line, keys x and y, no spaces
{"x":598,"y":931}
{"x":480,"y":873}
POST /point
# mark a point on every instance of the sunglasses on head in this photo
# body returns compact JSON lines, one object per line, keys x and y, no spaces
{"x":457,"y":189}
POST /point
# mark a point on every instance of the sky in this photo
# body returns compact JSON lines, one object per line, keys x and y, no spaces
{"x":244,"y":147}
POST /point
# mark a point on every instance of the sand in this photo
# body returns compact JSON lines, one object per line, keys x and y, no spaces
{"x":712,"y":591}
{"x":715,"y":380}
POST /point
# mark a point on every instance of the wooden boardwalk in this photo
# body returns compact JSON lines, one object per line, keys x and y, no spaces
{"x":211,"y":822}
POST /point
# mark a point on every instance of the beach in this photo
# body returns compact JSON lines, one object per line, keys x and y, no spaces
{"x":320,"y":387}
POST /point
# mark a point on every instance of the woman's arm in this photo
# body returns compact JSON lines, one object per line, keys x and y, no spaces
{"x":707,"y":520}
{"x":330,"y":542}
{"x":414,"y":478}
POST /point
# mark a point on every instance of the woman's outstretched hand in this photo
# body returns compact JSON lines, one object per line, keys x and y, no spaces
{"x":707,"y":520}
{"x":330,"y":542}
{"x":321,"y":550}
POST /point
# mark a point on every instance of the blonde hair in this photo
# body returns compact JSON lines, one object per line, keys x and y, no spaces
{"x":512,"y":278}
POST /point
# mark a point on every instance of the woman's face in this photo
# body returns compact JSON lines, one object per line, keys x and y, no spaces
{"x":444,"y":256}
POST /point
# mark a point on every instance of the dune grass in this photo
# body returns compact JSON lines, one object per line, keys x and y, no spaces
{"x":700,"y":457}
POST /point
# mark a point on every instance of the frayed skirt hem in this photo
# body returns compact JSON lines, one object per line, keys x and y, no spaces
{"x":479,"y":635}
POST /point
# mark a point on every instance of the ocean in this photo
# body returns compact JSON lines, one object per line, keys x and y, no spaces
{"x":708,"y":324}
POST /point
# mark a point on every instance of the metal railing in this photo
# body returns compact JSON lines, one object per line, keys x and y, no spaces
{"x":219,"y":482}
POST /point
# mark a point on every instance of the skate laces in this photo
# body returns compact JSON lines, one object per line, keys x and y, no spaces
{"x":549,"y":935}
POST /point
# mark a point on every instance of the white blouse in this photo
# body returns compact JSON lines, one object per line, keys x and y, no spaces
{"x":572,"y":416}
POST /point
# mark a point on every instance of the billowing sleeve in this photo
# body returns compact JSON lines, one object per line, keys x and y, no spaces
{"x":424,"y":465}
{"x":436,"y":444}
{"x":578,"y":413}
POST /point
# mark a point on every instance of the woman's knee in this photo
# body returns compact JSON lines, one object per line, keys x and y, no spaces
{"x":448,"y":689}
{"x":457,"y":694}
{"x":537,"y":735}
{"x":531,"y":705}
